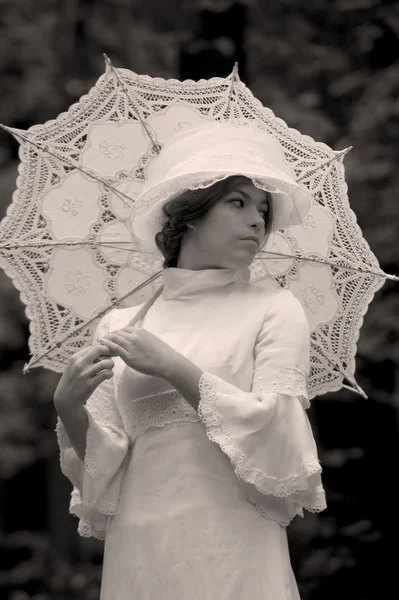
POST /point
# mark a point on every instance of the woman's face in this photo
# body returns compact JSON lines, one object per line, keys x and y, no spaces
{"x":217,"y":240}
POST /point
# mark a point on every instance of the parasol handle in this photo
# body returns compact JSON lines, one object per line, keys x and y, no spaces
{"x":145,"y":307}
{"x":138,"y":316}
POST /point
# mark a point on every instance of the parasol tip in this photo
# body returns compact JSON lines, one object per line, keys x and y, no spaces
{"x":234,"y":77}
{"x":18,"y":134}
{"x":356,"y":386}
{"x":234,"y":73}
{"x":108,"y":62}
{"x":5,"y":128}
{"x":26,"y":369}
{"x":344,"y":151}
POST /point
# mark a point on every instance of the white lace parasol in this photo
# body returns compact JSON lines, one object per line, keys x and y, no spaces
{"x":67,"y":244}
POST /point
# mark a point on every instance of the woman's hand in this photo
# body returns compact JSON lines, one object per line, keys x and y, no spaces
{"x":85,"y":370}
{"x":140,"y":350}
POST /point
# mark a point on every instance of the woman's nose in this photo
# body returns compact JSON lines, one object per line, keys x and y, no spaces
{"x":257,"y":220}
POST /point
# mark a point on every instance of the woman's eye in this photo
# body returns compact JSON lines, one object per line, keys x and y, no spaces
{"x":264,"y":212}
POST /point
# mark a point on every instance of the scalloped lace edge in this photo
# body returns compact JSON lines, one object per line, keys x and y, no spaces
{"x":318,"y":506}
{"x":265,"y":484}
{"x":85,"y":527}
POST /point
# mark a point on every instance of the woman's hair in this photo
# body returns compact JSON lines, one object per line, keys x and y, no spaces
{"x":192,"y":205}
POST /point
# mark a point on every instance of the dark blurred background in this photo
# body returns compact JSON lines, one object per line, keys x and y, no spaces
{"x":329,"y":68}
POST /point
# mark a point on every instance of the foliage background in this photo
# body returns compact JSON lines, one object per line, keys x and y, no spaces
{"x":328,"y":68}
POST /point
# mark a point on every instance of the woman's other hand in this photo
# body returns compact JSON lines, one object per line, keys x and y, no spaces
{"x":84,"y":372}
{"x":140,"y":350}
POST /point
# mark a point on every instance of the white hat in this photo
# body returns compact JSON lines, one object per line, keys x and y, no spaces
{"x":200,"y":156}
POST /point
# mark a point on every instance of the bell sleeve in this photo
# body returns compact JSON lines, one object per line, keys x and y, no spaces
{"x":266,"y":432}
{"x":97,"y":481}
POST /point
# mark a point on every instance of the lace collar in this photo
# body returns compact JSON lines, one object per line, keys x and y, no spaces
{"x":183,"y":284}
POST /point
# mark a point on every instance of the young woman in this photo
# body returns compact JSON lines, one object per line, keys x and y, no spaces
{"x":186,"y":437}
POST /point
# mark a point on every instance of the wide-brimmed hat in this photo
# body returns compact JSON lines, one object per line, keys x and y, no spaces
{"x":207,"y":153}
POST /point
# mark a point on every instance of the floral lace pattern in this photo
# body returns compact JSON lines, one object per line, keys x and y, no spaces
{"x":157,"y":410}
{"x":102,"y":114}
{"x":263,"y":483}
{"x":283,"y":380}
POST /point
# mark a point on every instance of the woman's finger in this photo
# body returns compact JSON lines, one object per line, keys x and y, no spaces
{"x":116,"y":338}
{"x":101,"y":365}
{"x":97,"y":350}
{"x":102,"y":357}
{"x":117,"y":349}
{"x":122,"y":333}
{"x":102,"y":375}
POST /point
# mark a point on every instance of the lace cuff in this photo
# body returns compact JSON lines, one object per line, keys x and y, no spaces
{"x":267,"y":436}
{"x":282,"y":380}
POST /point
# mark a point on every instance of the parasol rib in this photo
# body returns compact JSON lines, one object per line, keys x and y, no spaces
{"x":326,"y":162}
{"x":17,"y":134}
{"x":131,"y":101}
{"x":121,"y":245}
{"x":360,"y":270}
{"x":234,"y":75}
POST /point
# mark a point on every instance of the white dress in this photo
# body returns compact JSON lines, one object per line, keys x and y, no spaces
{"x":194,"y":506}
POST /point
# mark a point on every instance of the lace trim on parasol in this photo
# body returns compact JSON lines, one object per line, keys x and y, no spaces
{"x":38,"y":173}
